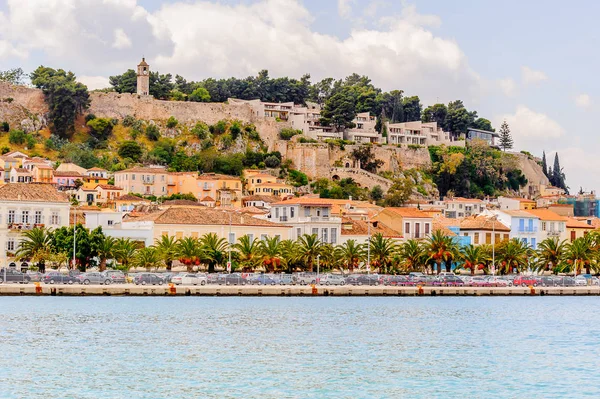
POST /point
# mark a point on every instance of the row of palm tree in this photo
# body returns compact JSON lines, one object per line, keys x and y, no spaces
{"x":384,"y":254}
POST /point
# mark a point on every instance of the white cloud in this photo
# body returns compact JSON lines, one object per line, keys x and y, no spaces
{"x":94,"y":82}
{"x":345,"y":8}
{"x":121,"y":39}
{"x":583,"y":100}
{"x":508,"y":86}
{"x":374,"y":6}
{"x":532,"y":131}
{"x":531,"y":76}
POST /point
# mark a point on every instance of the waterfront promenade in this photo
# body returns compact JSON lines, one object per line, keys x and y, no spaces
{"x":284,"y":290}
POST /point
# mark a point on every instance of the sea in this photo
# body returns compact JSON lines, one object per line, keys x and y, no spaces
{"x":315,"y":347}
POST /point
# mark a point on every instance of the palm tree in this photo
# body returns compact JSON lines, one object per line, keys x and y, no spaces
{"x":270,"y":252}
{"x":309,"y":246}
{"x":167,"y":246}
{"x":214,"y":250}
{"x":247,"y":252}
{"x":350,"y":254}
{"x":412,"y":255}
{"x":441,"y":248}
{"x":289,"y":254}
{"x":474,"y":257}
{"x":577,"y":255}
{"x":511,"y":254}
{"x":148,"y":258}
{"x":189,"y":252}
{"x":106,"y":250}
{"x":382,"y":251}
{"x":328,"y":259}
{"x":549,"y":252}
{"x":124,"y":250}
{"x":35,"y":240}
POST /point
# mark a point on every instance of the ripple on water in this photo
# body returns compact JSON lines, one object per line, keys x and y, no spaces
{"x":299,"y":347}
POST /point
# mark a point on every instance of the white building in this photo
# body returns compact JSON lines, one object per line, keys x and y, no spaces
{"x":112,"y":226}
{"x":307,"y":216}
{"x":419,"y":133}
{"x":458,"y":207}
{"x":24,"y":206}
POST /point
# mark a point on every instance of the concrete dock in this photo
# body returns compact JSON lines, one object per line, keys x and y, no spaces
{"x":283,"y":290}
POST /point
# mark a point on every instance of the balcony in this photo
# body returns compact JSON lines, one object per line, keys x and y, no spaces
{"x":148,"y":181}
{"x":553,"y":233}
{"x":23,"y":226}
{"x":283,"y":218}
{"x":317,"y":219}
{"x":524,"y":230}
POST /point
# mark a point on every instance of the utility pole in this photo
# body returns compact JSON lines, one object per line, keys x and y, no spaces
{"x":369,"y":247}
{"x":230,"y":243}
{"x":74,"y":235}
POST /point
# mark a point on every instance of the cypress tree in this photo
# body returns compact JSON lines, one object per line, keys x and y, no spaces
{"x":544,"y":164}
{"x":506,"y":141}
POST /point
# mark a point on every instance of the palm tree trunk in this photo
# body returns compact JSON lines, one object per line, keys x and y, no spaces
{"x":102,"y":264}
{"x":449,"y":266}
{"x":169,"y":265}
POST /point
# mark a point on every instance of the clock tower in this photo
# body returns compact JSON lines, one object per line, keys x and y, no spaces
{"x":143,"y":78}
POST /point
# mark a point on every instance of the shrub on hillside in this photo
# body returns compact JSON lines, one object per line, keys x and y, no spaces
{"x":5,"y":127}
{"x":272,"y":161}
{"x":17,"y":137}
{"x":172,"y":122}
{"x":30,"y":140}
{"x":218,"y":128}
{"x":200,"y":130}
{"x":131,"y":150}
{"x":152,"y":133}
{"x":128,"y":121}
{"x":287,"y":133}
{"x":100,"y":128}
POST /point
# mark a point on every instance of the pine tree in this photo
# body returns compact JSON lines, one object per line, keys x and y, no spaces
{"x":558,"y":177}
{"x":544,"y":164}
{"x":506,"y":141}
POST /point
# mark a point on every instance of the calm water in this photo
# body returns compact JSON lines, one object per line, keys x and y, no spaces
{"x":538,"y":347}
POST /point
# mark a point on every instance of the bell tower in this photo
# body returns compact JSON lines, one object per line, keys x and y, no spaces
{"x":143,"y":78}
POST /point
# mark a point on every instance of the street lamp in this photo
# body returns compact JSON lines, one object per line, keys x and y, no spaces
{"x":74,"y":235}
{"x":494,"y":245}
{"x":369,"y":247}
{"x":318,"y":257}
{"x":230,"y":243}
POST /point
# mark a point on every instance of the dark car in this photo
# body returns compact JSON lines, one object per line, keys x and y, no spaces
{"x":59,"y":278}
{"x":565,"y":282}
{"x":116,"y":276}
{"x":13,"y":276}
{"x":450,"y":281}
{"x":35,"y":276}
{"x":262,"y":279}
{"x":525,"y":281}
{"x":395,"y":280}
{"x":148,"y":279}
{"x":285,"y":279}
{"x":231,"y":279}
{"x":363,"y":279}
{"x":547,"y":281}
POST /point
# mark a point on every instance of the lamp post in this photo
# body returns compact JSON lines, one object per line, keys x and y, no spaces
{"x":230,"y":243}
{"x":74,"y":235}
{"x":318,"y":257}
{"x":494,"y":245}
{"x":369,"y":247}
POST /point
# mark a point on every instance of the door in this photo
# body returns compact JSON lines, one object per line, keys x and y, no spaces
{"x":417,"y":230}
{"x":521,"y":224}
{"x":573,"y":235}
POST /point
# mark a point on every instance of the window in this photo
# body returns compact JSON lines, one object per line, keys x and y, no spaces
{"x":291,"y":211}
{"x":251,"y":237}
{"x":306,"y":212}
{"x":506,"y":238}
{"x":109,"y":222}
{"x":496,"y":238}
{"x":315,"y":231}
{"x":25,"y":217}
{"x":334,"y":235}
{"x":573,"y":235}
{"x":277,"y":213}
{"x":318,"y":211}
{"x":406,"y":228}
{"x":426,"y":228}
{"x":325,"y":212}
{"x":298,"y":232}
{"x":54,"y":219}
{"x":231,"y":238}
{"x":533,"y":243}
{"x":194,"y":234}
{"x":164,"y":233}
{"x":38,"y":217}
{"x":11,"y":217}
{"x":543,"y":226}
{"x":10,"y":244}
{"x":552,"y":226}
{"x":488,"y":238}
{"x":178,"y":234}
{"x":324,"y":235}
{"x":263,"y":237}
{"x":133,"y":176}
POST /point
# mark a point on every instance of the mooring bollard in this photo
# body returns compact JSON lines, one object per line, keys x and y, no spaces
{"x":420,"y":289}
{"x":172,"y":289}
{"x":38,"y":288}
{"x":315,"y":291}
{"x":531,"y":290}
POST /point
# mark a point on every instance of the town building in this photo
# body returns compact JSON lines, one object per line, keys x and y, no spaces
{"x":420,"y":134}
{"x":24,"y":206}
{"x":94,"y":176}
{"x":263,"y":202}
{"x":86,"y":196}
{"x":42,"y":173}
{"x":143,"y":78}
{"x":459,"y":207}
{"x":409,"y":222}
{"x":66,"y":180}
{"x":107,"y":194}
{"x":577,"y":228}
{"x":20,"y":175}
{"x":143,"y":180}
{"x":224,"y":189}
{"x":485,"y":135}
{"x":483,"y":229}
{"x":515,"y":204}
{"x":128,"y":203}
{"x":71,"y":167}
{"x":551,"y":224}
{"x":364,"y":130}
{"x":523,"y":225}
{"x":360,"y":231}
{"x":307,"y":215}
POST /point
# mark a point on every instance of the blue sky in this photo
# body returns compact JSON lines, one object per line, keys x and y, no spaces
{"x":532,"y":63}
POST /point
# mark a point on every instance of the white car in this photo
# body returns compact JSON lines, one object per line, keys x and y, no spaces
{"x":581,"y":281}
{"x":189,"y":279}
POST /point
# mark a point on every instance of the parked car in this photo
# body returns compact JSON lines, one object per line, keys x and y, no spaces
{"x":189,"y":279}
{"x":525,"y":281}
{"x":35,"y":276}
{"x":262,"y":279}
{"x":94,"y":278}
{"x":581,"y":281}
{"x":232,"y":279}
{"x":285,"y":279}
{"x":332,"y":279}
{"x":450,"y":280}
{"x":478,"y":281}
{"x":548,"y":281}
{"x":13,"y":276}
{"x":395,"y":280}
{"x":58,"y":278}
{"x":148,"y":279}
{"x":305,"y":278}
{"x":363,"y":279}
{"x":496,"y":281}
{"x":116,"y":276}
{"x":565,"y":282}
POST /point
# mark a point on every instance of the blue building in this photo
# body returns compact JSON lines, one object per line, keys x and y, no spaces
{"x":523,"y":225}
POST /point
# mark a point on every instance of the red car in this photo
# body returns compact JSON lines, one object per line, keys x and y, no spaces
{"x":525,"y":281}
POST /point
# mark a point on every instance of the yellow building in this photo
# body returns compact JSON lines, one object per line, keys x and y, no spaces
{"x":577,"y":228}
{"x":182,"y":183}
{"x":225,"y":190}
{"x":95,"y":176}
{"x":42,"y":173}
{"x":276,"y":189}
{"x":255,"y":178}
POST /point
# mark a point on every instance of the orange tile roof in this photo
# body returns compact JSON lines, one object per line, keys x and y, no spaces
{"x":361,"y":227}
{"x":482,"y":223}
{"x":409,"y":212}
{"x":108,"y":187}
{"x":140,"y":169}
{"x":207,"y":199}
{"x":217,"y":176}
{"x":461,"y":199}
{"x":545,"y":214}
{"x":264,"y":198}
{"x":573,"y":223}
{"x":36,"y":192}
{"x":129,"y":197}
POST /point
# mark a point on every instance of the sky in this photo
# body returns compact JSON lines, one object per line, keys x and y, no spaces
{"x":532,"y":63}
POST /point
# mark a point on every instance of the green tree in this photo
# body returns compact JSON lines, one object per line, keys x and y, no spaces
{"x":441,"y":249}
{"x":14,"y":76}
{"x":131,"y":150}
{"x":190,"y":252}
{"x":247,"y":253}
{"x":544,"y":164}
{"x":350,"y":254}
{"x":412,"y":108}
{"x":161,"y":85}
{"x":474,"y":257}
{"x":413,"y":255}
{"x":152,"y":133}
{"x":512,"y":254}
{"x":400,"y":192}
{"x":79,"y":154}
{"x":376,"y":193}
{"x":87,"y":243}
{"x":17,"y":137}
{"x":382,"y":251}
{"x":309,"y":246}
{"x":366,"y":157}
{"x":124,"y":251}
{"x":215,"y":250}
{"x":339,"y":111}
{"x":66,"y":98}
{"x":172,"y":122}
{"x":483,"y":124}
{"x":506,"y":141}
{"x":549,"y":255}
{"x":270,"y":253}
{"x":435,"y":113}
{"x":458,"y":119}
{"x":148,"y":258}
{"x":106,"y":250}
{"x":35,"y":241}
{"x":125,"y":83}
{"x":168,"y":249}
{"x":200,"y":95}
{"x":100,"y":128}
{"x":578,"y":254}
